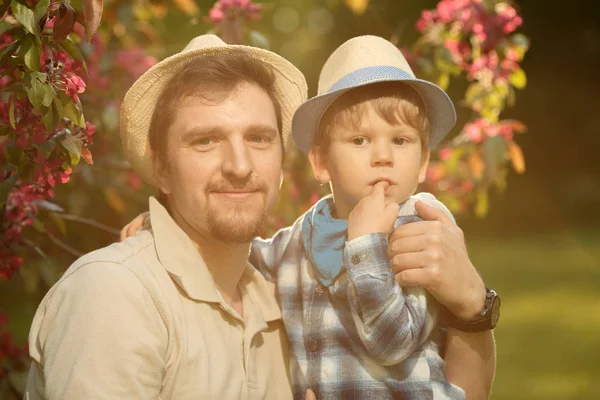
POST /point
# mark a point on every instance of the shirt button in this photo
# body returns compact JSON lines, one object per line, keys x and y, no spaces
{"x":319,"y":290}
{"x":314,"y":347}
{"x":355,"y":259}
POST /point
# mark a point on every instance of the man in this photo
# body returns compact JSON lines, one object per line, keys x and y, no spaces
{"x":177,"y":312}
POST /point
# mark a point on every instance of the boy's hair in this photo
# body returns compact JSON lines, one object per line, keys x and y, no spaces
{"x":213,"y":78}
{"x":395,"y":102}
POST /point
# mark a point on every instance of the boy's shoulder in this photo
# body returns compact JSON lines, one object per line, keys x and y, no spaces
{"x":408,"y":207}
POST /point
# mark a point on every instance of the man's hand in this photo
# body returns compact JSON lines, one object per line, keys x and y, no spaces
{"x":372,"y":213}
{"x":432,"y":254}
{"x":310,"y":395}
{"x":136,"y":224}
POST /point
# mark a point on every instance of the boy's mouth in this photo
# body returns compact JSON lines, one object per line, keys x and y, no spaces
{"x":376,"y":181}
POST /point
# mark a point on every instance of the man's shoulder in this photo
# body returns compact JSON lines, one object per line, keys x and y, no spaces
{"x":127,"y":263}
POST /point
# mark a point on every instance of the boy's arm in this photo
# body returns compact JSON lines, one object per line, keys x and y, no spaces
{"x":391,"y":323}
{"x":470,"y":360}
{"x":267,"y":254}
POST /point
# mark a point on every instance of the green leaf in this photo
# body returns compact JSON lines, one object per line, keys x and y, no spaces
{"x":5,"y":188}
{"x":518,"y":79}
{"x":482,"y":203}
{"x":40,"y":9}
{"x":443,"y":80}
{"x":8,"y":51}
{"x":51,"y":118}
{"x":32,"y":50}
{"x":72,"y":145}
{"x":25,"y":16}
{"x":74,"y":51}
{"x":38,"y":226}
{"x":71,"y":112}
{"x":40,"y":94}
{"x":59,"y":222}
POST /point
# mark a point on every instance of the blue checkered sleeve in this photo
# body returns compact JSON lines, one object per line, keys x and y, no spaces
{"x":266,"y":255}
{"x":391,"y":324}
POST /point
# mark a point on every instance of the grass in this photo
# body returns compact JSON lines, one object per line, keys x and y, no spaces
{"x":549,"y":330}
{"x":547,"y":338}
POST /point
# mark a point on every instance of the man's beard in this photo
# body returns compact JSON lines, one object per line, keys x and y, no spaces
{"x":241,"y":222}
{"x":236,"y":225}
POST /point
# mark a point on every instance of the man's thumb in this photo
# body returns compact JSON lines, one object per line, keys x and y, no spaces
{"x":429,"y":213}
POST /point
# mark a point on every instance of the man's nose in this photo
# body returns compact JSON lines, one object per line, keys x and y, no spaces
{"x":382,"y":154}
{"x":237,"y":163}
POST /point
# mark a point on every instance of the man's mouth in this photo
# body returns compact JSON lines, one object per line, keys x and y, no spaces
{"x":235,"y":194}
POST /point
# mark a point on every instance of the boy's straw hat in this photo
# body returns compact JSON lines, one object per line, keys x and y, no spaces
{"x":140,"y":101}
{"x":361,"y":61}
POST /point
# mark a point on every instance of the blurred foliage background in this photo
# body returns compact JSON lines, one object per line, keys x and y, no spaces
{"x":538,"y":244}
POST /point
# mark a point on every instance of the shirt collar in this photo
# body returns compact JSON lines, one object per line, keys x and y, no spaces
{"x":180,"y":257}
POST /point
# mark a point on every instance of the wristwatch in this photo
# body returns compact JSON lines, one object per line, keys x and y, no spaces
{"x":484,"y":321}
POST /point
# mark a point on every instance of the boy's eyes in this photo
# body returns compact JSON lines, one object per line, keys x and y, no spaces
{"x":397,"y":141}
{"x":359,"y":140}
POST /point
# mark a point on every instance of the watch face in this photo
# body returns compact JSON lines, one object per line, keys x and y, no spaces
{"x":495,"y":314}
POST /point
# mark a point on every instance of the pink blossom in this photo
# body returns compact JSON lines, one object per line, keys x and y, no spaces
{"x":445,"y":153}
{"x":473,"y":132}
{"x":74,"y":84}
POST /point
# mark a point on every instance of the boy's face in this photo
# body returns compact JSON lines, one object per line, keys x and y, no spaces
{"x":357,"y":159}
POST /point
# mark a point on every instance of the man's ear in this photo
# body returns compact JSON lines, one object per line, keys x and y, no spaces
{"x":424,"y":164}
{"x":318,"y":160}
{"x":161,"y":174}
{"x":281,"y":179}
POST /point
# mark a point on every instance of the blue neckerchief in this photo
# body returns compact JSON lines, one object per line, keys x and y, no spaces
{"x":324,"y":237}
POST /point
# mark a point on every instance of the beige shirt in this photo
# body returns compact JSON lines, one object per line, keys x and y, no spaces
{"x":142,"y":319}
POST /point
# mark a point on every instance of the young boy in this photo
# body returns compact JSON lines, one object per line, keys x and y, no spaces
{"x":354,"y":332}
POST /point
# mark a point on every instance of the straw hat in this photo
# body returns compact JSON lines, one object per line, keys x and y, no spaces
{"x":140,"y":101}
{"x":361,"y":61}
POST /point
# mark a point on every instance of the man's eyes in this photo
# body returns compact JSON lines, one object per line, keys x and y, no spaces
{"x":205,"y":141}
{"x":259,"y":139}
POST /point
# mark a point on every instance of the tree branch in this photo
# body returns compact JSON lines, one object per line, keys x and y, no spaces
{"x":88,"y":221}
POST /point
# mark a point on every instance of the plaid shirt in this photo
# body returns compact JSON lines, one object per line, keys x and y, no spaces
{"x":363,"y":337}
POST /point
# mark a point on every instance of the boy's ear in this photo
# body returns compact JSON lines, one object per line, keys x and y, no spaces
{"x":424,"y":164}
{"x":161,"y":174}
{"x":318,"y":160}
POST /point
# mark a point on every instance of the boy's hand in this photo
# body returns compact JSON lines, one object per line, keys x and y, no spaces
{"x":432,"y":254}
{"x":372,"y":214}
{"x":135,"y":225}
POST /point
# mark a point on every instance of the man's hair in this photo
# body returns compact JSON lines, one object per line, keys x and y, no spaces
{"x":395,"y":102}
{"x":212,"y":78}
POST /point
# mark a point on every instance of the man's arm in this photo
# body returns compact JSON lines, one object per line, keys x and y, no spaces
{"x":432,"y":254}
{"x":471,"y":362}
{"x":97,"y":334}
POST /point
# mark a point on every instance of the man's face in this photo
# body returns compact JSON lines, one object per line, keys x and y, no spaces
{"x":357,"y":159}
{"x":223,"y":170}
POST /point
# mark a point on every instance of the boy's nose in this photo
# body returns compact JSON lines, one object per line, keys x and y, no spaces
{"x":382,"y":155}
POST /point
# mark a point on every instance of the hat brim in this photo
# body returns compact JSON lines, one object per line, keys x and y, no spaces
{"x":140,"y":101}
{"x":440,"y":109}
